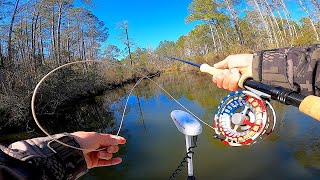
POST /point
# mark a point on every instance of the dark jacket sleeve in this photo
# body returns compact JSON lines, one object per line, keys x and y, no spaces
{"x":42,"y":158}
{"x":293,"y":68}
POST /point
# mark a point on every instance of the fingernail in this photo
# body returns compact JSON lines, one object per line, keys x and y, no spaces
{"x":123,"y":141}
{"x":117,"y":160}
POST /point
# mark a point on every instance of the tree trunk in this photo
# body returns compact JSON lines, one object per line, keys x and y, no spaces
{"x":68,"y":49}
{"x":212,"y":35}
{"x":93,"y":49}
{"x":235,"y":22}
{"x":68,"y":42}
{"x":11,"y":31}
{"x":79,"y":44}
{"x":39,"y":58}
{"x":220,"y":48}
{"x":224,"y":36}
{"x":53,"y":41}
{"x":33,"y":40}
{"x":289,"y":19}
{"x":83,"y":47}
{"x":317,"y":4}
{"x":264,"y":22}
{"x":22,"y":42}
{"x":141,"y":114}
{"x":282,"y":24}
{"x":59,"y":31}
{"x":274,"y":22}
{"x":27,"y":51}
{"x":270,"y":24}
{"x":128,"y":45}
{"x":1,"y":56}
{"x":291,"y":33}
{"x":41,"y":42}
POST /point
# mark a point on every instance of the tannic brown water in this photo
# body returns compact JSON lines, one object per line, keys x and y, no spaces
{"x":155,"y":147}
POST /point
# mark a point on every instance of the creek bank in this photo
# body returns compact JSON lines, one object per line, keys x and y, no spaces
{"x":63,"y":90}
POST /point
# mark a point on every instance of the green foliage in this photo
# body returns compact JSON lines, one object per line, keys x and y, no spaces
{"x":308,"y":36}
{"x":269,"y":26}
{"x":166,"y":47}
{"x":203,"y":10}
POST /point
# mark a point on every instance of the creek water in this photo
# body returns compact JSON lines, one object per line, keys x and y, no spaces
{"x":155,"y":147}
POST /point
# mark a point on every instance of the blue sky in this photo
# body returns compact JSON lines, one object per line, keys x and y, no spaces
{"x":149,"y":21}
{"x":153,"y":21}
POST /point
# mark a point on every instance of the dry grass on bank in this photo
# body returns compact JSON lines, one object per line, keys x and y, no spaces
{"x":65,"y":86}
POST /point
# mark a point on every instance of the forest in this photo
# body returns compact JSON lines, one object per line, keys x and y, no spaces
{"x":39,"y":35}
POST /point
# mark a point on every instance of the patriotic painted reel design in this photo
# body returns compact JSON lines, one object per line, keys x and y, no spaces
{"x":243,"y":118}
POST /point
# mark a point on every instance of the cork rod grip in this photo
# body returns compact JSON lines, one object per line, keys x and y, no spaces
{"x":210,"y":70}
{"x":214,"y":72}
{"x":311,"y":106}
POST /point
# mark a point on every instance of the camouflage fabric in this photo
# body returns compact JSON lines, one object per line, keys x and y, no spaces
{"x":293,"y":68}
{"x":45,"y":158}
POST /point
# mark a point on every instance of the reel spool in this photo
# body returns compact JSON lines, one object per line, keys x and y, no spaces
{"x":243,"y":118}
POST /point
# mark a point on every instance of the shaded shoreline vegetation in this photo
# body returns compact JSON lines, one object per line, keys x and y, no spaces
{"x":39,"y":35}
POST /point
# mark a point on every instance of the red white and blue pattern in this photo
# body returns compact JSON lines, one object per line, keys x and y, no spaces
{"x":242,"y":119}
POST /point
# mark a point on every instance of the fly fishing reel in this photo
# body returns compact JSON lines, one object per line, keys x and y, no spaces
{"x":243,"y":118}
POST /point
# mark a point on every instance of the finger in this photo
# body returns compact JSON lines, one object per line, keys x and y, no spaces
{"x":240,"y":60}
{"x":220,"y":78}
{"x":108,"y":139}
{"x":222,"y":64}
{"x":92,"y":158}
{"x":234,"y":79}
{"x":113,"y":149}
{"x":110,"y":162}
{"x":214,"y":79}
{"x":226,"y":80}
{"x":104,"y":155}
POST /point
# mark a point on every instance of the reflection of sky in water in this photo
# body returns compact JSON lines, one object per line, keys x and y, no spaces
{"x":155,"y":147}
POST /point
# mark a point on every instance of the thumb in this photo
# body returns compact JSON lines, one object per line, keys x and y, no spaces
{"x":222,"y":64}
{"x":108,"y":139}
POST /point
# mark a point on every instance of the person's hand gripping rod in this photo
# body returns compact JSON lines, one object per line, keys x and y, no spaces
{"x":309,"y":105}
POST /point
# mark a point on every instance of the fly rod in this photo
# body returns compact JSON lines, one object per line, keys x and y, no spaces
{"x":309,"y":105}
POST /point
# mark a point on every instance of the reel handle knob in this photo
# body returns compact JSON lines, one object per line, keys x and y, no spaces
{"x":311,"y":106}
